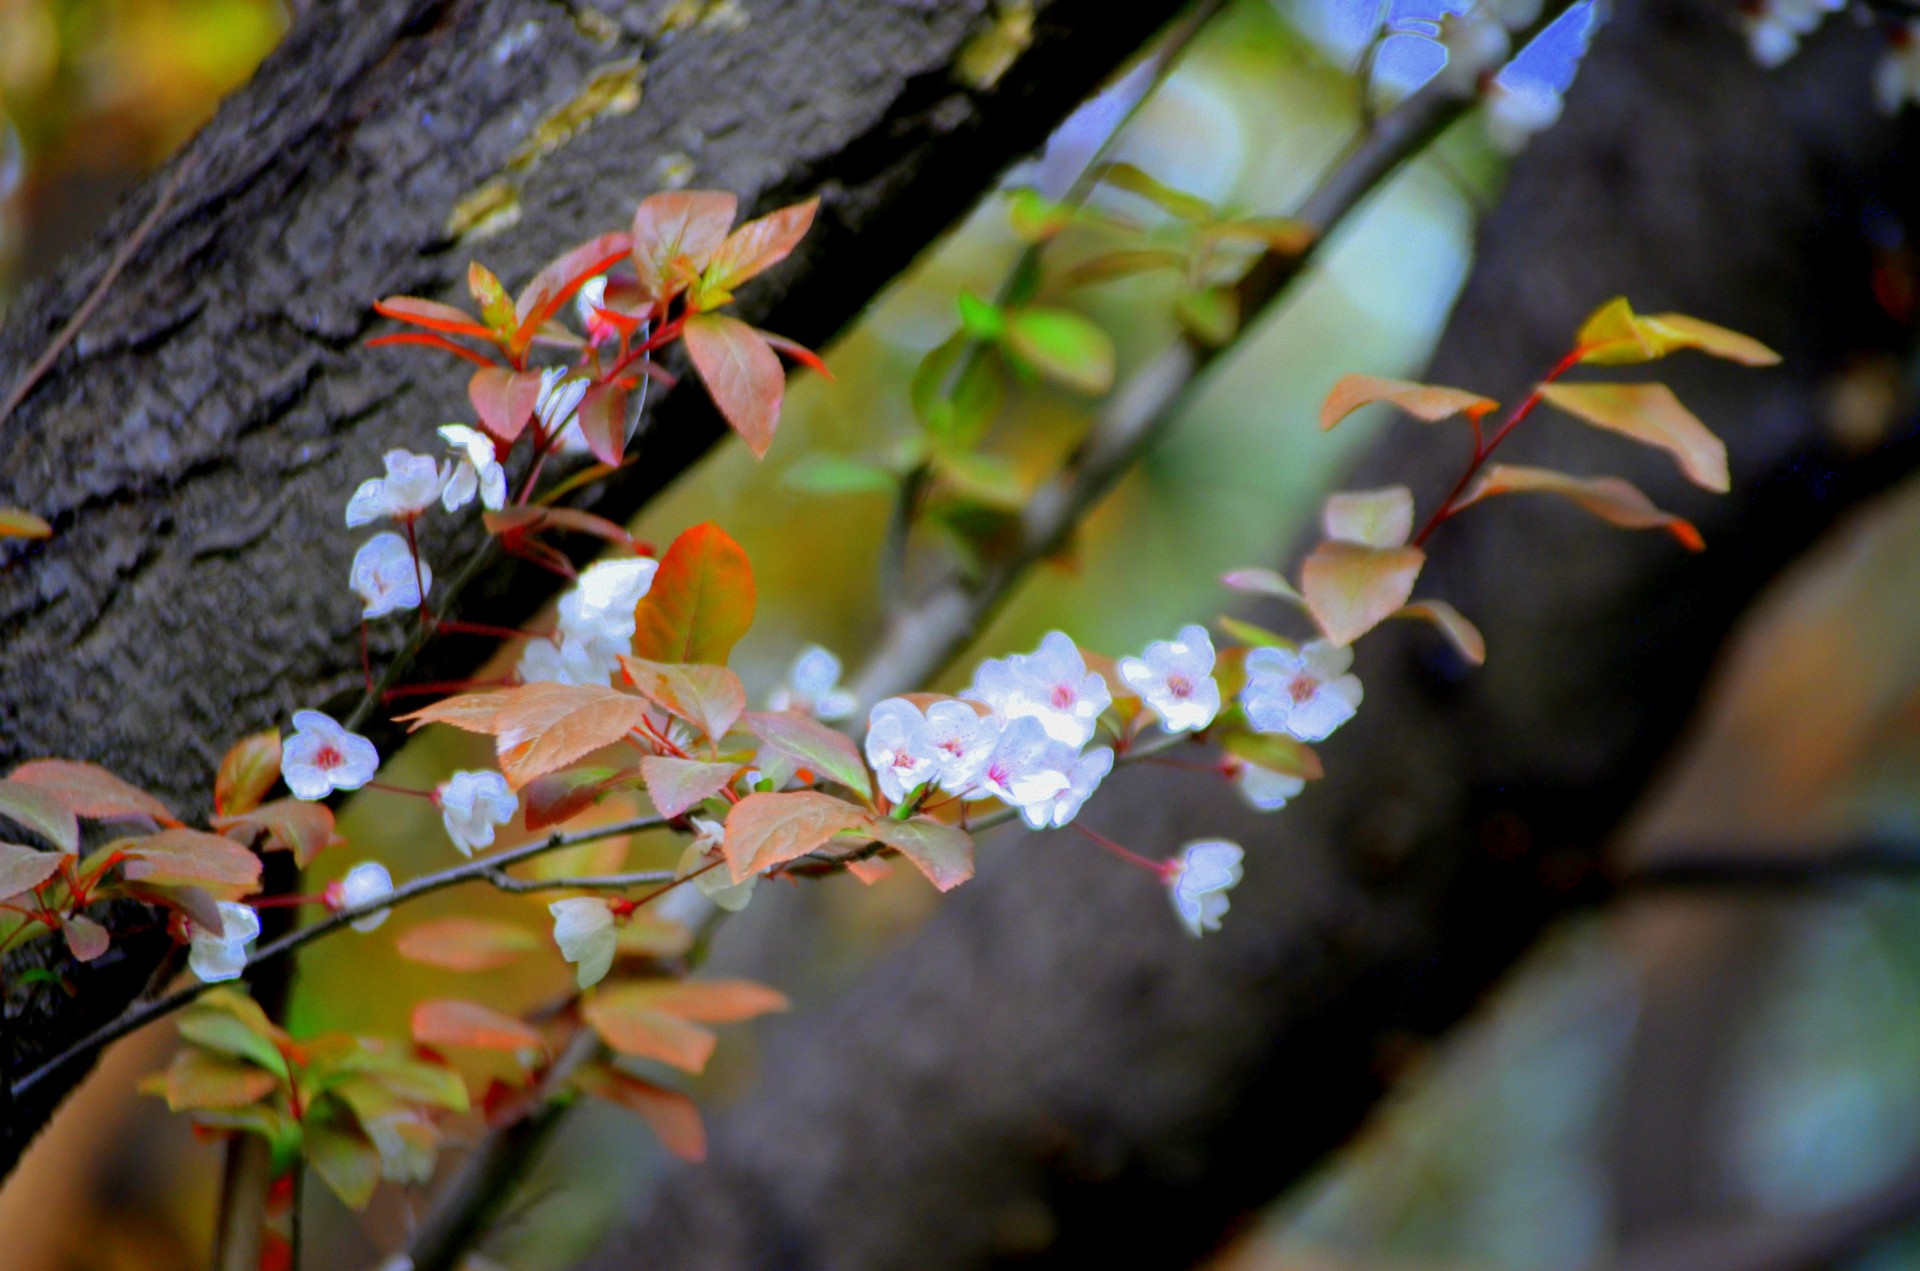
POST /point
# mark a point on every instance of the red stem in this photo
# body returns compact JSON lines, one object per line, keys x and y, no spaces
{"x":1157,"y":868}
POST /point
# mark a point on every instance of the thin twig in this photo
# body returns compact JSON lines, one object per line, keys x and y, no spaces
{"x":121,"y":258}
{"x":1741,"y":870}
{"x":598,"y":882}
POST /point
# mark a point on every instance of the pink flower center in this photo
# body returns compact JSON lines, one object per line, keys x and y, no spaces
{"x":328,"y":757}
{"x":1180,"y":686}
{"x":998,"y":773}
{"x":1303,"y":688}
{"x":1064,"y":697}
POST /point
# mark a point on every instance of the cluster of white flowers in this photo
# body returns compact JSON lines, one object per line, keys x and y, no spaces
{"x":1018,"y":736}
{"x":1776,"y":27}
{"x":596,"y":625}
{"x":472,"y":805}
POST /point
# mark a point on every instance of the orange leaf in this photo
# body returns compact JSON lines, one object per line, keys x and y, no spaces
{"x":246,"y":773}
{"x":675,"y":785}
{"x":466,"y":944}
{"x":708,"y":697}
{"x":432,"y":315}
{"x":292,"y":825}
{"x":758,"y":245}
{"x":764,"y":830}
{"x":1613,"y":500}
{"x":944,"y":853}
{"x":559,"y":796}
{"x":91,"y":791}
{"x":200,"y":1079}
{"x":1463,"y":635}
{"x":1352,"y":589}
{"x":453,"y":1022}
{"x":701,"y":601}
{"x":603,"y":420}
{"x":544,"y":727}
{"x":705,"y":1001}
{"x":19,"y":523}
{"x":742,"y":372}
{"x":504,"y":399}
{"x":474,"y":712}
{"x":630,"y":1026}
{"x":1429,"y":402}
{"x":668,"y":1113}
{"x":555,"y":285}
{"x":1371,"y":518}
{"x":1617,"y":336}
{"x":1651,"y":415}
{"x":682,"y":226}
{"x":193,"y":858}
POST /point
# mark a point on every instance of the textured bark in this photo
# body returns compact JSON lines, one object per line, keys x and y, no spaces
{"x":195,"y":446}
{"x":1050,"y":1072}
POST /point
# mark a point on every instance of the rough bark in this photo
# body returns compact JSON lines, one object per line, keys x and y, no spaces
{"x":1050,"y":1072}
{"x":194,"y":447}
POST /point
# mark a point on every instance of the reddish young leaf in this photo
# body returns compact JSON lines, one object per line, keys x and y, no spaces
{"x":1652,"y":415}
{"x":86,"y":939}
{"x":453,"y":1022}
{"x":91,"y":791}
{"x":705,"y":1001}
{"x":1429,"y":402}
{"x":291,"y":825}
{"x":1613,"y":500}
{"x":41,"y":812}
{"x":757,"y":246}
{"x":433,"y":315}
{"x":708,"y":697}
{"x":764,"y":830}
{"x":675,"y":785}
{"x":1371,"y":518}
{"x":944,"y":853}
{"x":1350,"y":590}
{"x":631,"y":1027}
{"x":741,"y":372}
{"x":560,"y":796}
{"x":473,"y":712}
{"x":531,"y":520}
{"x":555,"y":285}
{"x":504,"y":399}
{"x":795,"y":350}
{"x":1463,"y":635}
{"x":25,"y":868}
{"x":603,"y":419}
{"x":544,"y":727}
{"x":1258,"y":581}
{"x":433,"y":342}
{"x":870,"y":870}
{"x":813,"y":745}
{"x":198,"y":1079}
{"x":701,"y":601}
{"x":467,"y":944}
{"x":668,"y":1113}
{"x":20,"y":523}
{"x":192,"y":858}
{"x":246,"y":773}
{"x":684,"y":226}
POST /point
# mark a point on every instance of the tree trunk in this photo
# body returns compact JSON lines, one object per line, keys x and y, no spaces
{"x":195,"y":445}
{"x":1051,"y":1072}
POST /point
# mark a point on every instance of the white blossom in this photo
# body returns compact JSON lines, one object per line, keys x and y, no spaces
{"x":411,"y":485}
{"x":1775,"y":27}
{"x":471,"y":805}
{"x":362,"y":885}
{"x":1265,"y":789}
{"x":1476,"y":42}
{"x":556,"y":405}
{"x":960,"y":739}
{"x":813,"y":685}
{"x":1199,"y":879}
{"x":596,"y":625}
{"x":1306,"y":694}
{"x":1175,"y":678}
{"x":898,"y":749}
{"x":322,"y":757}
{"x":1051,"y":685}
{"x":583,"y":928}
{"x":1088,"y":771}
{"x":1028,"y":769}
{"x":386,"y":576}
{"x":476,"y":470}
{"x":713,"y":880}
{"x":223,"y":956}
{"x":1896,"y":81}
{"x":1515,"y":112}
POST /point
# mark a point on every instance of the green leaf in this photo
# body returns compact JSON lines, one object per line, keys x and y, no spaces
{"x":1064,"y":347}
{"x":1253,"y":634}
{"x":701,"y":601}
{"x":1125,"y":263}
{"x":957,"y":391}
{"x":814,"y":746}
{"x":1651,"y":415}
{"x":1034,"y":217}
{"x":742,"y":373}
{"x":1276,"y":752}
{"x":981,"y":478}
{"x":981,"y":319}
{"x":944,"y":853}
{"x":1177,"y":203}
{"x":839,"y":474}
{"x":344,"y":1158}
{"x":227,"y":1034}
{"x":1211,"y":316}
{"x":40,"y":812}
{"x":496,"y":306}
{"x":1351,"y":589}
{"x":200,"y":1079}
